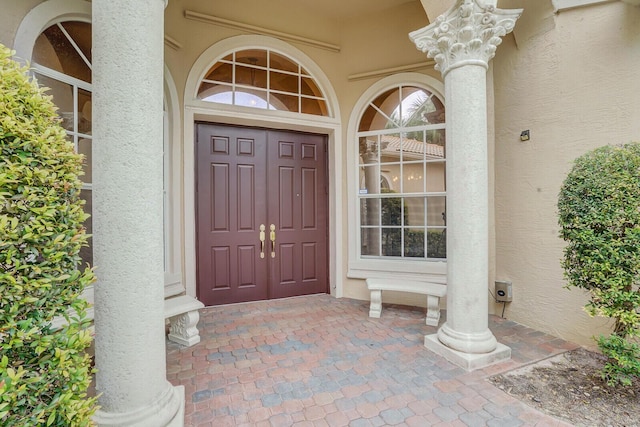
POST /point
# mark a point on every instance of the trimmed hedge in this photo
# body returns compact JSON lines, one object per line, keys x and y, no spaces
{"x":44,"y":372}
{"x":599,"y":216}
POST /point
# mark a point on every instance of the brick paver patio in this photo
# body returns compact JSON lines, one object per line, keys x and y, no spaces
{"x":320,"y":361}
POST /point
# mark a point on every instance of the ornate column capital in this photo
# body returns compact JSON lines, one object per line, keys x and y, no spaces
{"x":468,"y":33}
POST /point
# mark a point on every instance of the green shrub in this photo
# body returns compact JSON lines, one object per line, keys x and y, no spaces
{"x":599,"y":216}
{"x":44,"y":371}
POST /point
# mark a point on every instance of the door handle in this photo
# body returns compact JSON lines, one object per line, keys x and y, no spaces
{"x":272,"y":236}
{"x":262,"y":237}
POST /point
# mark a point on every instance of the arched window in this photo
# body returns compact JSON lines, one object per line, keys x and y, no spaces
{"x":401,"y":169}
{"x":262,"y":78}
{"x":61,"y":61}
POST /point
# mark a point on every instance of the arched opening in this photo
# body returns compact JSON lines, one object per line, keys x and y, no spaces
{"x":277,"y":114}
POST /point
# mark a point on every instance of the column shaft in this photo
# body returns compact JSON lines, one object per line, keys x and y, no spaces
{"x":128,"y":215}
{"x":466,"y":328}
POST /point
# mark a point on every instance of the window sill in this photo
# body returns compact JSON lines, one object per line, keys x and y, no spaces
{"x":433,"y":271}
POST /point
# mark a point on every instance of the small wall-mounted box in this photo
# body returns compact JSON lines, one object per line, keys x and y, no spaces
{"x":504,"y":291}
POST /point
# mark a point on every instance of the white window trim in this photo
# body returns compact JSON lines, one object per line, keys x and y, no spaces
{"x":173,"y":232}
{"x":362,"y":268}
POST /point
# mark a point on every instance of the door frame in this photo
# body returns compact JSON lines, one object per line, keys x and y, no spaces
{"x":198,"y":110}
{"x":329,"y":127}
{"x":267,"y":157}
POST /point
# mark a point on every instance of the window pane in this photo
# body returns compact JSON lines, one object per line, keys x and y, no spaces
{"x":284,"y":82}
{"x":309,"y":87}
{"x":370,"y":179}
{"x":84,"y":148}
{"x":370,"y":241}
{"x":63,"y":98}
{"x":437,"y":114}
{"x":414,"y":208}
{"x":414,"y":243}
{"x":413,"y":178}
{"x":436,"y":177}
{"x":253,"y":57}
{"x":435,"y":143}
{"x":86,"y":253}
{"x":284,"y":102}
{"x":390,"y":148}
{"x":391,"y":242}
{"x":279,"y":62}
{"x":84,"y":112}
{"x":369,"y":150}
{"x":313,"y":106}
{"x":249,"y":76}
{"x":370,"y":211}
{"x":220,"y":72}
{"x":213,"y":92}
{"x":436,"y":243}
{"x":436,"y":211}
{"x":252,"y":98}
{"x":391,"y":211}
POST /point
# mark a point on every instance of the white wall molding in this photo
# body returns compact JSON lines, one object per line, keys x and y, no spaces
{"x":254,"y":29}
{"x":429,"y":63}
{"x":560,"y":5}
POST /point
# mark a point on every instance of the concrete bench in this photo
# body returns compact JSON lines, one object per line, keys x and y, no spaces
{"x":182,"y":312}
{"x":433,"y":291}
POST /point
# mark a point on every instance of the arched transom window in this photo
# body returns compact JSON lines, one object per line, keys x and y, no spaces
{"x":401,"y":169}
{"x":262,"y":78}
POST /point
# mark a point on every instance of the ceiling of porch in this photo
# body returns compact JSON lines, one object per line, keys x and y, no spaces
{"x":345,"y":9}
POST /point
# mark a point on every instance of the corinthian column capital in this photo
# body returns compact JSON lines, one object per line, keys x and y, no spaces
{"x":468,"y":33}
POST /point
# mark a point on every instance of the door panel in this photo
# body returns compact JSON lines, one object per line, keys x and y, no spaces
{"x":231,"y":186}
{"x":252,"y":177}
{"x":299,"y":169}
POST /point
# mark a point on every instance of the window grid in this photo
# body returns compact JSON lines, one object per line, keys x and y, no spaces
{"x":266,"y":91}
{"x":407,"y":221}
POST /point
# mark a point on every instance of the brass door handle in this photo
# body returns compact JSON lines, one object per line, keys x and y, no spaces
{"x":262,"y":237}
{"x":272,"y":236}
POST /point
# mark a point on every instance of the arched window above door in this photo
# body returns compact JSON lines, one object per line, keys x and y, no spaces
{"x":264,"y":79}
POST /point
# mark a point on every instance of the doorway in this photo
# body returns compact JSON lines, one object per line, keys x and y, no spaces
{"x":261,"y":214}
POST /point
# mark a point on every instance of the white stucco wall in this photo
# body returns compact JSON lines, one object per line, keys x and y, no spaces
{"x":571,"y":79}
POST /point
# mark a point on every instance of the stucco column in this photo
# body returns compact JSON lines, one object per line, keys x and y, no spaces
{"x":127,"y":216}
{"x":462,"y":41}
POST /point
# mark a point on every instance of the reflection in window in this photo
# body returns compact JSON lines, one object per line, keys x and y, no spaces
{"x":402,"y":190}
{"x":264,"y":79}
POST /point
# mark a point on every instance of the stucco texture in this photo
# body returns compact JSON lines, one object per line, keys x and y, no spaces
{"x":569,"y":79}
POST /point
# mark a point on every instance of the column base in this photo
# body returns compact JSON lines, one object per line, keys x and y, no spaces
{"x":467,"y":361}
{"x":167,"y":411}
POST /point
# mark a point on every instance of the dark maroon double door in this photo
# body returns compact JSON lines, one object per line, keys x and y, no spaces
{"x":262,"y":225}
